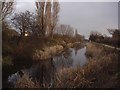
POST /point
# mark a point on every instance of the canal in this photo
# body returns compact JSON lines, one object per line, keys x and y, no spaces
{"x":44,"y":71}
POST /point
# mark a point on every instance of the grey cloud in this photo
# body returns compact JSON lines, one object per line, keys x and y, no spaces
{"x":83,"y":16}
{"x":88,"y":16}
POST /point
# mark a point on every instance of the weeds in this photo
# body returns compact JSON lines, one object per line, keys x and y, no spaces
{"x":100,"y":70}
{"x":26,"y":82}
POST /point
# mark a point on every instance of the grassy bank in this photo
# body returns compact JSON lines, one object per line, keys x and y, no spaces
{"x":101,"y":70}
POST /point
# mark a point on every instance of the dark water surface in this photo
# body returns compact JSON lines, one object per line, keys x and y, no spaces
{"x":44,"y":71}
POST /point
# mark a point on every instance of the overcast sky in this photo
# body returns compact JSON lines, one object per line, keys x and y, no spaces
{"x":83,"y":16}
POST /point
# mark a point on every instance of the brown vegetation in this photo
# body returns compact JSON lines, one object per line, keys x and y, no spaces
{"x":114,"y":40}
{"x":100,"y":70}
{"x":26,"y":82}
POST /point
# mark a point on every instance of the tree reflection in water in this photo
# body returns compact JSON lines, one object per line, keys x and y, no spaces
{"x":77,"y":48}
{"x":64,"y":60}
{"x":43,"y":72}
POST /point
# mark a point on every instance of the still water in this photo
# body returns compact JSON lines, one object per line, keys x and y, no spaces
{"x":44,"y":71}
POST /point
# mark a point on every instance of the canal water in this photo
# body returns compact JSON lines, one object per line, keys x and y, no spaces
{"x":44,"y":71}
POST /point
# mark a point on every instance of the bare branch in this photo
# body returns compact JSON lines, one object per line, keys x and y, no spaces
{"x":7,"y":8}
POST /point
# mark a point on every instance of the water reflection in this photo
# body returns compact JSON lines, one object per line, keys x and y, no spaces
{"x":44,"y":71}
{"x":70,"y":58}
{"x":63,"y":60}
{"x":79,"y":57}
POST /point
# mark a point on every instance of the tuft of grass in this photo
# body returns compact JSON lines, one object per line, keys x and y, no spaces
{"x":72,"y":78}
{"x":91,"y":50}
{"x":26,"y":82}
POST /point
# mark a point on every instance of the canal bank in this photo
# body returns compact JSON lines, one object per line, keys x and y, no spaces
{"x":65,"y":70}
{"x":45,"y":70}
{"x":49,"y":52}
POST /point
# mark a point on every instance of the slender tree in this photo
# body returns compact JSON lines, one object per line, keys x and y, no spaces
{"x":47,"y":16}
{"x":41,"y":16}
{"x":56,"y":9}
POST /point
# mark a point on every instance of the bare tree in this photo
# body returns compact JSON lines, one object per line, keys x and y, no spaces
{"x":56,"y":9}
{"x":41,"y":16}
{"x":113,"y":31}
{"x":60,"y":29}
{"x":64,"y":30}
{"x":23,"y":22}
{"x":115,"y":39}
{"x":69,"y":31}
{"x":47,"y":15}
{"x":6,"y":8}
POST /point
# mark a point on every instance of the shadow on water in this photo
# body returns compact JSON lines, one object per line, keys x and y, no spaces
{"x":44,"y":71}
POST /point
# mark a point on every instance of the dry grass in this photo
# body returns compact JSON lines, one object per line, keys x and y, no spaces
{"x":72,"y":78}
{"x":99,"y":71}
{"x":92,"y":51}
{"x":102,"y":65}
{"x":26,"y":82}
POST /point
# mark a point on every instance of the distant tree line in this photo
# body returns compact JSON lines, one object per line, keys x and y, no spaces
{"x":113,"y":40}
